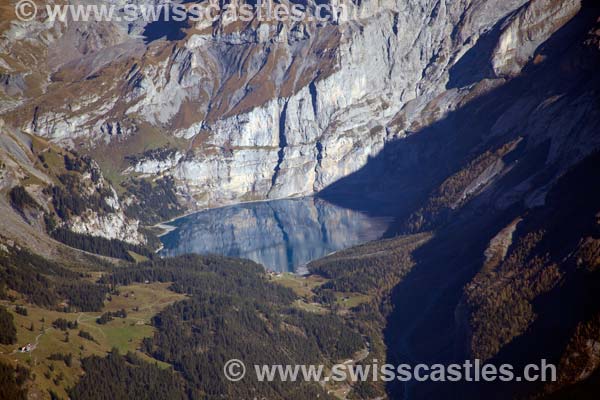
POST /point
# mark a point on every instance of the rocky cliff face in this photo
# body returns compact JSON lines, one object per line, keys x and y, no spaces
{"x":62,"y":187}
{"x":269,"y":110}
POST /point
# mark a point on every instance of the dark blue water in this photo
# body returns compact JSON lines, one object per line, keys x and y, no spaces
{"x":283,"y":235}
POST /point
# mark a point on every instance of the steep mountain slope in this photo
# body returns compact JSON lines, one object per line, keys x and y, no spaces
{"x":262,"y":110}
{"x":507,"y":186}
{"x":47,"y":190}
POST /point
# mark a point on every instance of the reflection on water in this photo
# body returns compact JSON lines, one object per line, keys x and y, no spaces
{"x":283,"y":235}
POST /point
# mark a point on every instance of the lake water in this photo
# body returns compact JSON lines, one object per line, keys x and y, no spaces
{"x":282,"y":235}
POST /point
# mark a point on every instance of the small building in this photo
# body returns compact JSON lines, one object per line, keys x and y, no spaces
{"x":26,"y":349}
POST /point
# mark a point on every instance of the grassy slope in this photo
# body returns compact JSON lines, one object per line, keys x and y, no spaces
{"x":124,"y":334}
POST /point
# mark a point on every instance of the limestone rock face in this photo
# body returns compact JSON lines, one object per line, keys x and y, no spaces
{"x":262,"y":110}
{"x":99,"y":211}
{"x":526,"y":30}
{"x":109,"y":224}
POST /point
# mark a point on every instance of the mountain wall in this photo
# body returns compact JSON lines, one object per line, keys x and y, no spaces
{"x":261,"y":110}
